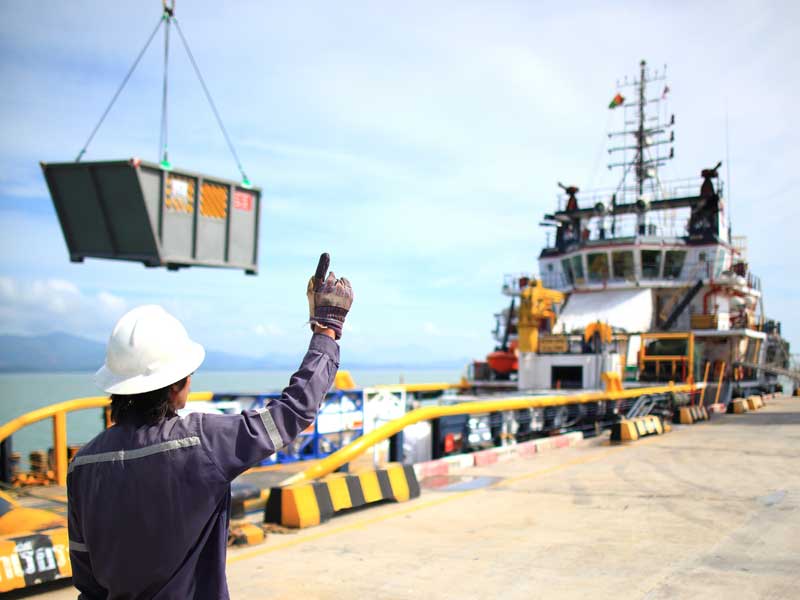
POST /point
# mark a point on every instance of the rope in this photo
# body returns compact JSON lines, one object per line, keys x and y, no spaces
{"x":118,"y":92}
{"x":162,"y":142}
{"x":245,"y":180}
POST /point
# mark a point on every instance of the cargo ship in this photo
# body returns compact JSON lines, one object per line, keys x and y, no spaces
{"x":645,"y":279}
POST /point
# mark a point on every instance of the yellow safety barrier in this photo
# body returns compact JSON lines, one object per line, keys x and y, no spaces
{"x":738,"y":406}
{"x":58,"y":413}
{"x":630,"y":430}
{"x":688,"y":415}
{"x":34,"y":557}
{"x":313,"y":502}
{"x":245,"y":534}
{"x":754,"y":402}
{"x":360,"y":445}
{"x":16,"y":519}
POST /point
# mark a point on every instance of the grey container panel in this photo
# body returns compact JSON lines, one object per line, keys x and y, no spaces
{"x":244,"y":220}
{"x":79,"y":211}
{"x":150,"y":182}
{"x":210,"y":240}
{"x":176,"y":235}
{"x":177,"y":217}
{"x":127,"y":219}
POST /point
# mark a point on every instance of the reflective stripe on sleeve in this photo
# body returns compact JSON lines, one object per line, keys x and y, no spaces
{"x":272,"y":429}
{"x":123,"y":455}
{"x":77,"y":546}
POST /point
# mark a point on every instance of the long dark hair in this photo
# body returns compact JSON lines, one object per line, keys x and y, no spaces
{"x":147,"y":408}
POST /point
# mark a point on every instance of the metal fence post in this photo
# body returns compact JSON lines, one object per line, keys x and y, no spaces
{"x":60,"y":447}
{"x":6,"y":464}
{"x":436,"y":433}
{"x":396,"y":447}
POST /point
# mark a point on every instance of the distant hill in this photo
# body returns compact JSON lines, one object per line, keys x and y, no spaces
{"x":66,"y":352}
{"x":51,"y":352}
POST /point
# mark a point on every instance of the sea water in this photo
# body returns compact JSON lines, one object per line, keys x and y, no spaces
{"x":21,"y":393}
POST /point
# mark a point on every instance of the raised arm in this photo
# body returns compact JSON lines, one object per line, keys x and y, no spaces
{"x":238,"y":442}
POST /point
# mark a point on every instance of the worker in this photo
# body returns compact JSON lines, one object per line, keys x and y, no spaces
{"x":149,"y":498}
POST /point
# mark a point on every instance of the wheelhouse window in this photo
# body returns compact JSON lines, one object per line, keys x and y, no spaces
{"x":565,"y":264}
{"x":577,"y":268}
{"x":622,"y":263}
{"x":651,"y":264}
{"x":667,"y":347}
{"x":673,"y":263}
{"x":598,"y":266}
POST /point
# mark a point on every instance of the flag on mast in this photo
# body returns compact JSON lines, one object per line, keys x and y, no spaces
{"x":616,"y":101}
{"x":665,"y":92}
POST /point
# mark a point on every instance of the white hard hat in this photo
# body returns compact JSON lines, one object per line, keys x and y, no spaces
{"x":149,"y":349}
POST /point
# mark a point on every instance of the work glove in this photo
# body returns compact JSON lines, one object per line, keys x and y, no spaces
{"x":329,"y":299}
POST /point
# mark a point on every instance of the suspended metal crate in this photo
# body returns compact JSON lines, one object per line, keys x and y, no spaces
{"x":138,"y":211}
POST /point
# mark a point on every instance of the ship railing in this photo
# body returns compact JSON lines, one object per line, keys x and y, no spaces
{"x":57,"y":413}
{"x":675,"y":188}
{"x":393,"y":429}
{"x":514,"y":283}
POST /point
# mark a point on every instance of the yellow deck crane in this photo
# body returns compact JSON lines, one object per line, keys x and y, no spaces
{"x":536,"y":306}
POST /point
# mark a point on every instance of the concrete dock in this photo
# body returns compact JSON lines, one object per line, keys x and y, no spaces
{"x":710,"y":510}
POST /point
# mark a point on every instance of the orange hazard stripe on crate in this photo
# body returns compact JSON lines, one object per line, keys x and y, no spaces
{"x":213,"y":200}
{"x":311,"y":503}
{"x":179,"y":193}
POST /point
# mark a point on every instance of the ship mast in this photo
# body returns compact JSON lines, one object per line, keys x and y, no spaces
{"x":640,"y":136}
{"x":650,"y":137}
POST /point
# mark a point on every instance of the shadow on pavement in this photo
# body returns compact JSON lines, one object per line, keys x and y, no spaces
{"x":767,"y":418}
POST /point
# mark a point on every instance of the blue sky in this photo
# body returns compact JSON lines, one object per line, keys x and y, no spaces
{"x":418,"y":143}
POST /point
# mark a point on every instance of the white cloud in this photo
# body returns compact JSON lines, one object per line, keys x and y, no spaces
{"x":430,"y":329}
{"x":268,"y":329}
{"x":45,"y":305}
{"x":111,"y":303}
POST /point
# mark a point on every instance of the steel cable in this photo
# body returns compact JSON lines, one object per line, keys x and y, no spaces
{"x":162,"y":141}
{"x":211,"y":101}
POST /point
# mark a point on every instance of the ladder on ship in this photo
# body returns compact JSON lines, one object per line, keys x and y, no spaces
{"x":671,"y":305}
{"x":681,"y":305}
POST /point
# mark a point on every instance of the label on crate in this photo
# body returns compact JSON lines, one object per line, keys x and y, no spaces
{"x":243,"y":201}
{"x":180,"y":189}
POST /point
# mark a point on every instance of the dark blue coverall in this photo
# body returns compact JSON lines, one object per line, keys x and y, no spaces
{"x":149,"y":505}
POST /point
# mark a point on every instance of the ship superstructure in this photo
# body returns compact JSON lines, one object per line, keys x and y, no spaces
{"x":653,"y":283}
